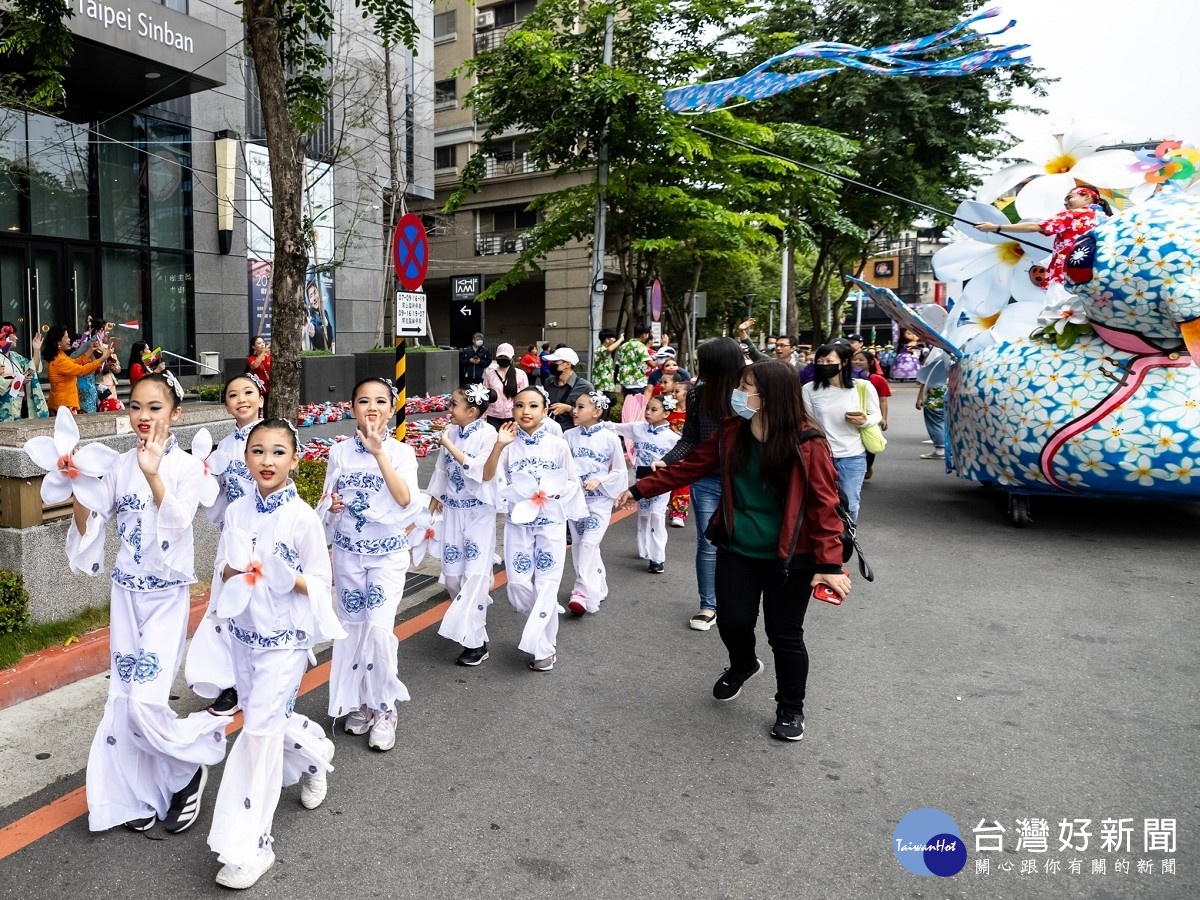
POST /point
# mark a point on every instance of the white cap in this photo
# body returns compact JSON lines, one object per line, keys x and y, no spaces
{"x":564,"y":354}
{"x":505,"y":350}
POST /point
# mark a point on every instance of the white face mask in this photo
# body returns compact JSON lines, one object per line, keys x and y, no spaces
{"x":479,"y":343}
{"x":740,"y":401}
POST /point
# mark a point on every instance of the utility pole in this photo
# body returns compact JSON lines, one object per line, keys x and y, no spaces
{"x":596,"y":306}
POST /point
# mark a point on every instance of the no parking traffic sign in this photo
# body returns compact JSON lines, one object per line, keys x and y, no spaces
{"x":410,"y":252}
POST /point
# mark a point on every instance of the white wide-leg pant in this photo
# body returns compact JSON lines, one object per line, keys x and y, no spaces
{"x":652,"y":528}
{"x":276,"y":746}
{"x":367,"y":592}
{"x":591,"y":581}
{"x":468,"y":549}
{"x":208,"y":668}
{"x":143,"y":752}
{"x":534,"y":557}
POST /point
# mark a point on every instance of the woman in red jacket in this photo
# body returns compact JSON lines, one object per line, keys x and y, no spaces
{"x":777,"y":530}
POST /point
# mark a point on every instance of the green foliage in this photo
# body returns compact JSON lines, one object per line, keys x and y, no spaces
{"x":36,"y":32}
{"x":14,"y":602}
{"x":18,"y":644}
{"x":316,"y":353}
{"x":310,"y":480}
{"x":211,"y":392}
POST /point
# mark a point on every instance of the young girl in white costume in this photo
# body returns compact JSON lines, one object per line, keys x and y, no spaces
{"x":537,"y":466}
{"x":272,"y":591}
{"x":370,"y":498}
{"x":209,"y":665}
{"x":468,"y":506}
{"x":599,"y":461}
{"x":146,"y":763}
{"x":652,"y":440}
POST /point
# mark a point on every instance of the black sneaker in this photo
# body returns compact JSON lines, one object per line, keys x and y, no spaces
{"x":185,"y":805}
{"x":141,"y":824}
{"x":729,"y":685}
{"x":472,"y":656}
{"x":656,"y":568}
{"x":226,"y":704}
{"x":789,"y":726}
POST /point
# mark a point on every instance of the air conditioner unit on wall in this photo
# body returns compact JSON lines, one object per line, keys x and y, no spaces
{"x":485,"y":19}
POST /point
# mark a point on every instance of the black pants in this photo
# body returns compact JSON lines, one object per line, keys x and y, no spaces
{"x":740,"y":582}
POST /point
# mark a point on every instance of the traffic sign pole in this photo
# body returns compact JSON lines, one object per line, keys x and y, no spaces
{"x":402,"y":396}
{"x":410,"y":254}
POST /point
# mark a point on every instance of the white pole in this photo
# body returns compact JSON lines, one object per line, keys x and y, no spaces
{"x":783,"y":287}
{"x":858,"y":314}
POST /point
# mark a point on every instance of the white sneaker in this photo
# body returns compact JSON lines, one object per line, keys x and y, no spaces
{"x":383,"y":732}
{"x":241,"y":877}
{"x":934,"y":454}
{"x":678,"y":522}
{"x":359,"y":721}
{"x":313,"y":785}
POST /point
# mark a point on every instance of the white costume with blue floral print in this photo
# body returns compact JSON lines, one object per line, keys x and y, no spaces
{"x":270,"y":640}
{"x":650,"y":444}
{"x":208,"y":668}
{"x":370,"y":561}
{"x":143,"y":752}
{"x":597,"y":453}
{"x":534,"y":553}
{"x":468,"y":532}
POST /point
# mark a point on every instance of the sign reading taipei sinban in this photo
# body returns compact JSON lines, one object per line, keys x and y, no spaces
{"x":410,"y":252}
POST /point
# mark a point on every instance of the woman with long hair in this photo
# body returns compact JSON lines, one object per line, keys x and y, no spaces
{"x":507,"y":380}
{"x":719,"y":368}
{"x":777,"y":530}
{"x":833,"y":398}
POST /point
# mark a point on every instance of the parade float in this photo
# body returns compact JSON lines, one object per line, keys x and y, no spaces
{"x":1096,"y":393}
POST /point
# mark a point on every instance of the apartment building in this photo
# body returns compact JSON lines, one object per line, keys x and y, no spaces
{"x":480,"y":241}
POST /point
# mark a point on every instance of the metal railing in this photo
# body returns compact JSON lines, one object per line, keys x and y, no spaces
{"x":491,"y":38}
{"x":495,"y":243}
{"x":511,"y":164}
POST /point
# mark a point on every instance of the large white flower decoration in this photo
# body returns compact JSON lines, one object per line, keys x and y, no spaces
{"x":257,"y":575}
{"x":70,"y":471}
{"x":973,"y":331}
{"x":531,"y":498}
{"x":995,"y":267}
{"x":1055,"y":162}
{"x":215,"y":462}
{"x":425,"y":536}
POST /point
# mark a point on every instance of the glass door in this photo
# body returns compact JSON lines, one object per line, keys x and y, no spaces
{"x":49,"y":300}
{"x":14,"y":291}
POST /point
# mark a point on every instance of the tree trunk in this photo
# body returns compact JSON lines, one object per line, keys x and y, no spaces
{"x":285,"y":144}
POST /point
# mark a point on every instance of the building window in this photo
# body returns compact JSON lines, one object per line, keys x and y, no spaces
{"x":445,"y":157}
{"x":445,"y":26}
{"x":445,"y":93}
{"x":503,"y":230}
{"x":510,"y":13}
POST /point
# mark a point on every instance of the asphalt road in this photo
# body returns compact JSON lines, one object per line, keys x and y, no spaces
{"x":990,"y":672}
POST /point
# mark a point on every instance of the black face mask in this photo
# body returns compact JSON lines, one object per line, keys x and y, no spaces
{"x":503,"y":361}
{"x":826,"y":372}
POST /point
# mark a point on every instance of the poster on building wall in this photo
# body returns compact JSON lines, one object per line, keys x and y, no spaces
{"x":260,"y":298}
{"x":318,"y":331}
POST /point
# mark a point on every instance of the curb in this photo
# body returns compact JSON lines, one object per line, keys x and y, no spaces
{"x":56,"y":667}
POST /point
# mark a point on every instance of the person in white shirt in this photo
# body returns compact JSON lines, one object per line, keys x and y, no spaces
{"x":832,"y":399}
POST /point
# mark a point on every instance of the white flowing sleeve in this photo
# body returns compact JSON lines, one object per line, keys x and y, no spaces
{"x":85,"y":552}
{"x":216,"y":512}
{"x":167,"y":528}
{"x":318,"y":579}
{"x":437,"y":481}
{"x":332,"y":472}
{"x":624,"y":429}
{"x":484,"y":491}
{"x":616,"y":481}
{"x":384,"y":509}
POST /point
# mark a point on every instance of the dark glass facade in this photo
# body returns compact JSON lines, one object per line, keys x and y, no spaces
{"x":96,"y":219}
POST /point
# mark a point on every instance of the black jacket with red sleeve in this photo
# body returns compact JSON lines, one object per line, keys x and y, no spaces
{"x":811,"y":532}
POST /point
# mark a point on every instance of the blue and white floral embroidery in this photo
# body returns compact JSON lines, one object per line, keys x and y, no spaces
{"x":276,"y":500}
{"x":544,"y":561}
{"x":291,"y":704}
{"x":145,"y":582}
{"x":132,"y":537}
{"x":472,"y":551}
{"x":282,"y":638}
{"x":127,"y":502}
{"x":141,"y":668}
{"x":357,"y":506}
{"x":451,"y":553}
{"x":353,"y":601}
{"x":375,"y":596}
{"x":288,"y":555}
{"x":521,"y":563}
{"x":370,"y":547}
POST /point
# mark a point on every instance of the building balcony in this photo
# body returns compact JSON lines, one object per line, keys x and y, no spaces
{"x":508,"y":164}
{"x":491,"y":38}
{"x":495,"y":243}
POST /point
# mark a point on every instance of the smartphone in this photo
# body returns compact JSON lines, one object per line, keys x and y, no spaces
{"x":824,"y":592}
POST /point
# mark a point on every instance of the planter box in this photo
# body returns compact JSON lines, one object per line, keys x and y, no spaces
{"x":435,"y":372}
{"x":326,"y":378}
{"x":374,"y":365}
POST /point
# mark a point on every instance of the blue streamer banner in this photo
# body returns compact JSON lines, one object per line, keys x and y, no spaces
{"x":904,"y":59}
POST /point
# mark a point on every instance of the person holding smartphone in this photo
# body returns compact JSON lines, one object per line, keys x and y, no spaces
{"x":776,"y":528}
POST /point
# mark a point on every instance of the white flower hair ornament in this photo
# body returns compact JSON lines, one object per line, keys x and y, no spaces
{"x":68,"y":470}
{"x":391,"y":387}
{"x":425,"y":537}
{"x":258,"y":382}
{"x":541,"y":390}
{"x":669,"y":402}
{"x":477,"y":394}
{"x":215,"y":462}
{"x":601,"y":400}
{"x":531,"y":499}
{"x":174,"y":383}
